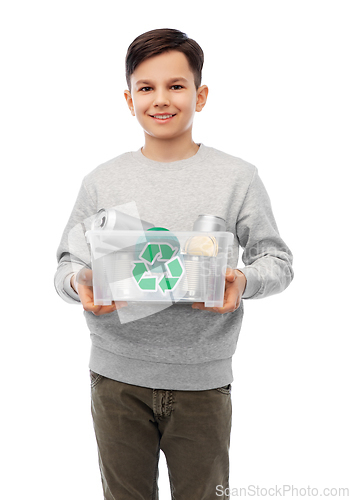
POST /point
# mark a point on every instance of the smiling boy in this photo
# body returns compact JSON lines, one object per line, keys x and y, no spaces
{"x":164,"y":86}
{"x":163,"y":382}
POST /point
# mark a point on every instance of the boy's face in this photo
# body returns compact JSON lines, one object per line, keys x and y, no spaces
{"x":164,"y":85}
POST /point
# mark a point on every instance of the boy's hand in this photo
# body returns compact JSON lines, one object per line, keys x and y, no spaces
{"x":83,"y":283}
{"x":234,"y":288}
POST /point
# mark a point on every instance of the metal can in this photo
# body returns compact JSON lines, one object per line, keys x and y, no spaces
{"x":201,"y":250}
{"x":111,"y":219}
{"x":209,"y":223}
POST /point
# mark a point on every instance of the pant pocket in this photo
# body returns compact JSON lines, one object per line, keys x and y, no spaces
{"x":226,"y":389}
{"x":95,"y":378}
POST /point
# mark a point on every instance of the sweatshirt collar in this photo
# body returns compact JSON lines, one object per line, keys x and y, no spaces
{"x":173,"y":165}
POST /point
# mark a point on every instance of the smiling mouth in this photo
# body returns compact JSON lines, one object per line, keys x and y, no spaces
{"x":162,"y":117}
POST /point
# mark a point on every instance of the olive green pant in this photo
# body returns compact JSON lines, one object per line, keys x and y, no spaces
{"x":132,"y":424}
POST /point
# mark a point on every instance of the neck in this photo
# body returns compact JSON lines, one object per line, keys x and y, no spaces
{"x":168,"y":150}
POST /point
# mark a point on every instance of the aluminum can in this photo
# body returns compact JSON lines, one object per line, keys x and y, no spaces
{"x":194,"y":285}
{"x":112,"y":219}
{"x":209,"y":223}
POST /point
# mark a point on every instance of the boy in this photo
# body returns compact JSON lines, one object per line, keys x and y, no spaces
{"x":163,"y":380}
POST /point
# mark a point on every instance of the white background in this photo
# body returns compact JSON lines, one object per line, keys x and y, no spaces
{"x":278,"y":78}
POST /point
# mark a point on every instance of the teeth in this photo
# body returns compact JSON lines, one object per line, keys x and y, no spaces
{"x":162,"y":117}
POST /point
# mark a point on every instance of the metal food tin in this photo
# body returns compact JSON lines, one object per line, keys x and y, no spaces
{"x":209,"y":223}
{"x":111,"y":219}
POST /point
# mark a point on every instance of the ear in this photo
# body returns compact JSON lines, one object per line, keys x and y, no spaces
{"x":129,"y":102}
{"x":202,"y":95}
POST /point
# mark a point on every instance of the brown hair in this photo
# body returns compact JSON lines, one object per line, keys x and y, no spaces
{"x":155,"y":42}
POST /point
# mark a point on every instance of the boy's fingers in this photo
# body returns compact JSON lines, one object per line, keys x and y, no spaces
{"x":85,"y":294}
{"x":90,"y":306}
{"x":99,"y":310}
{"x":85,"y":291}
{"x":198,"y":305}
{"x":87,"y":299}
{"x":84,"y":277}
{"x":230,"y":275}
{"x":227,"y":308}
{"x":231,"y":301}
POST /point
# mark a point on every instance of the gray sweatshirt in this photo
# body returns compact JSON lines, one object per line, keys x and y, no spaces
{"x":175,"y":347}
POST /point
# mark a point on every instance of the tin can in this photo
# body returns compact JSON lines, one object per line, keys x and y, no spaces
{"x":199,"y":251}
{"x":209,"y":223}
{"x":193,"y":287}
{"x":117,"y":269}
{"x":112,"y":219}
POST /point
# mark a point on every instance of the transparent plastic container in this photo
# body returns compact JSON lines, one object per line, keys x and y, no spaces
{"x":159,"y":266}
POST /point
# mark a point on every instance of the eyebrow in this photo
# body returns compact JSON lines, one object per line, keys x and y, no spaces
{"x":147,"y":82}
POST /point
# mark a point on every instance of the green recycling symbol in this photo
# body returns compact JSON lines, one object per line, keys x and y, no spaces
{"x":152,"y":258}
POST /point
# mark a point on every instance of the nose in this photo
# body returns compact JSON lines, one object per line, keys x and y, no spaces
{"x":161,"y":98}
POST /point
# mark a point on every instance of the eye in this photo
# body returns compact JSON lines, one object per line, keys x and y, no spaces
{"x":180,"y":86}
{"x":145,"y":89}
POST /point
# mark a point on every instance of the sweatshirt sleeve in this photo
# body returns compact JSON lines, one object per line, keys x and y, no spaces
{"x":73,"y":252}
{"x":267,"y":259}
